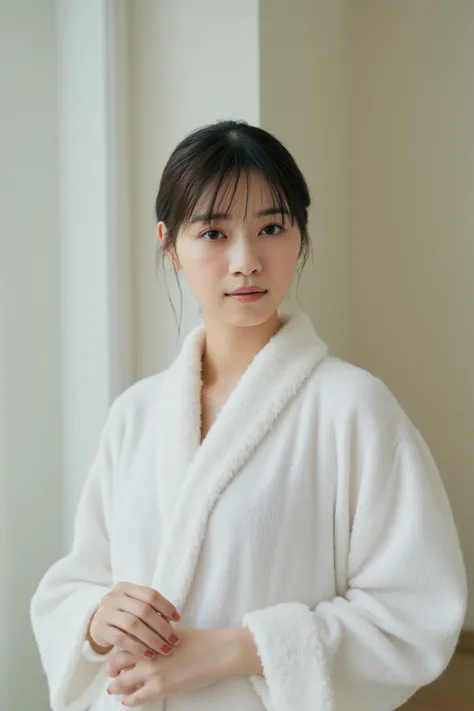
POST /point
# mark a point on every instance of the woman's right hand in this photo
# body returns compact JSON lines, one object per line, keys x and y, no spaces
{"x":136,"y":619}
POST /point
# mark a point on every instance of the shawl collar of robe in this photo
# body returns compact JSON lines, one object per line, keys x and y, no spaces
{"x":192,"y":476}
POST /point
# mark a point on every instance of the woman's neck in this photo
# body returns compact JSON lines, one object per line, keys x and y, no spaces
{"x":229,"y":350}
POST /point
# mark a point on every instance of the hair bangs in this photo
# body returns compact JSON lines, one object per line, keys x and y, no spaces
{"x":213,"y":188}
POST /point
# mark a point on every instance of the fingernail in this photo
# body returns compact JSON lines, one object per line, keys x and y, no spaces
{"x":176,"y":616}
{"x":174,"y":639}
{"x":108,"y":691}
{"x":149,"y":654}
{"x":166,"y":649}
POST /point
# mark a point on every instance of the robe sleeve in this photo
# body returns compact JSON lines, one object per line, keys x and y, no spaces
{"x":395,"y":625}
{"x":72,"y":589}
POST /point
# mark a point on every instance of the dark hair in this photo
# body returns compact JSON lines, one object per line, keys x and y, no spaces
{"x":216,"y":156}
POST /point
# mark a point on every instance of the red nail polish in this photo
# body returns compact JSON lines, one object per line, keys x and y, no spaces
{"x":166,"y":649}
{"x":176,"y":616}
{"x":108,"y":691}
{"x":149,"y":654}
{"x":174,"y":639}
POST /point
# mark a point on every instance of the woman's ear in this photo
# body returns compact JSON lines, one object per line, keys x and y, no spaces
{"x":168,"y":249}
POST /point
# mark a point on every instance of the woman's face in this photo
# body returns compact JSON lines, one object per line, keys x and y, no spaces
{"x":251,"y":248}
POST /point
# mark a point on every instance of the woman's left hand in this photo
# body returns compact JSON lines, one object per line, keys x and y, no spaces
{"x":202,"y":658}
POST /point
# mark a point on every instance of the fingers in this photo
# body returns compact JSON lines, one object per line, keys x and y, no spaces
{"x":127,"y":683}
{"x":143,"y":694}
{"x":151,"y":597}
{"x":136,"y":619}
{"x":141,"y":639}
{"x":128,"y":632}
{"x":120,"y":662}
{"x":139,"y":683}
{"x":152,"y":620}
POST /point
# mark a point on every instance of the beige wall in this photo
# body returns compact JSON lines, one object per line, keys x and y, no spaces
{"x":303,"y":101}
{"x":411,"y":222}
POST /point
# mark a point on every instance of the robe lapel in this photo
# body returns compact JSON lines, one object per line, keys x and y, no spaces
{"x":197,"y":475}
{"x":179,"y":423}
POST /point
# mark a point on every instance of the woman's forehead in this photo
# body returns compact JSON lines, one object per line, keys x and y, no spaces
{"x":243,"y":198}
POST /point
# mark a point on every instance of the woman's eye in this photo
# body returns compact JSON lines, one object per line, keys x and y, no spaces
{"x":212,"y":235}
{"x":272,"y":230}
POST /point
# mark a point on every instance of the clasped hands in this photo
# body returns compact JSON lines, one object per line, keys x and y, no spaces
{"x":155,"y":661}
{"x":202,"y":658}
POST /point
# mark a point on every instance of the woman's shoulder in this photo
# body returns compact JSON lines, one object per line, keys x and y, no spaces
{"x":347,"y":389}
{"x":136,"y":402}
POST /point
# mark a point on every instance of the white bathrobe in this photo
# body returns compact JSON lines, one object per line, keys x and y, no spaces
{"x":312,"y":513}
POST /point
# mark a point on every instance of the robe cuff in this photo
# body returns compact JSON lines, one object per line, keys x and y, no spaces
{"x":295,"y":675}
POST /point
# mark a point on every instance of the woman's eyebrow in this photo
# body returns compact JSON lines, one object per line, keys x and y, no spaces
{"x":272,"y":211}
{"x":211,"y":218}
{"x":225,"y":216}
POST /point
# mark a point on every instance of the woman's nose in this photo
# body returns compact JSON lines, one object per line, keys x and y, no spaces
{"x":244,"y":258}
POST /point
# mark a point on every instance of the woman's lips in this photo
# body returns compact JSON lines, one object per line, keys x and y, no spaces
{"x":248,"y":296}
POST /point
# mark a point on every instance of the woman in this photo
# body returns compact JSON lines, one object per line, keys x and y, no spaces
{"x":263,"y":526}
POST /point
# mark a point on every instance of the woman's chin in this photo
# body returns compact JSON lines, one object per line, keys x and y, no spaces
{"x":250,"y":315}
